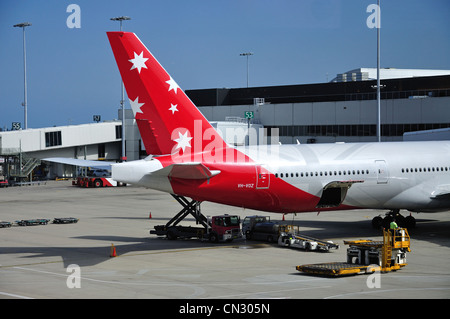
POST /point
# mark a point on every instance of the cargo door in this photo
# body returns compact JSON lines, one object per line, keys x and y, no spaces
{"x":382,"y":172}
{"x":334,"y":193}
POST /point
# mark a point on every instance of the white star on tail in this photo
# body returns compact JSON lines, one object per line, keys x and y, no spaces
{"x":172,"y":85}
{"x":138,"y":62}
{"x":183,"y":140}
{"x":173,"y":108}
{"x":136,"y":106}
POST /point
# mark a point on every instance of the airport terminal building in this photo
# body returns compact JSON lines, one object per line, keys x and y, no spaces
{"x":343,"y":110}
{"x":21,"y":151}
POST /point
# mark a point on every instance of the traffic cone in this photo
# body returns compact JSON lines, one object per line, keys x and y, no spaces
{"x":150,"y":216}
{"x":113,"y":251}
{"x":283,"y":217}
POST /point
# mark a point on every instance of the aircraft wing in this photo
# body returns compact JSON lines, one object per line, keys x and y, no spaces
{"x":79,"y":162}
{"x":186,"y":171}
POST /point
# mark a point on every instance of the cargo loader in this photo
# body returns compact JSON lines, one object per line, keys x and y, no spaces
{"x":367,"y":256}
{"x":217,"y":228}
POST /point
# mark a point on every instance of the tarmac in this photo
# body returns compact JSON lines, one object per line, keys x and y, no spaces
{"x":73,"y":261}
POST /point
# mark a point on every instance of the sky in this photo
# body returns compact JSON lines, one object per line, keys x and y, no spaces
{"x":72,"y":74}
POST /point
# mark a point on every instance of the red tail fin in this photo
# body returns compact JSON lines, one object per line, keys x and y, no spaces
{"x":166,"y":117}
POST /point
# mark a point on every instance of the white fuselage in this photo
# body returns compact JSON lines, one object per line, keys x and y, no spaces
{"x":398,"y":175}
{"x":395,"y":175}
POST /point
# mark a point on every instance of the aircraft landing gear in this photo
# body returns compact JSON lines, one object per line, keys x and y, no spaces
{"x":406,"y":222}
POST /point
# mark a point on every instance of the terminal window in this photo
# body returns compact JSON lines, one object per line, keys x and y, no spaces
{"x":101,"y":150}
{"x":118,"y":131}
{"x":53,"y":139}
{"x":353,"y":130}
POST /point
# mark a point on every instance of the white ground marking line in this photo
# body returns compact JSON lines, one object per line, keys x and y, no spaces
{"x":381,"y":291}
{"x":168,"y":283}
{"x":197,"y":290}
{"x":14,"y":295}
{"x":105,"y":281}
{"x":267,"y":292}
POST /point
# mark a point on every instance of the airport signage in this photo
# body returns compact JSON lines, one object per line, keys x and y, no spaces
{"x":16,"y":126}
{"x":249,"y":114}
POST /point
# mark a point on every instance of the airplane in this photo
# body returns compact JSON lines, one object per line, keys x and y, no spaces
{"x":189,"y":159}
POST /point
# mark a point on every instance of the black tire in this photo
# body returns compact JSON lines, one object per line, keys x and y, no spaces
{"x":386,"y":222}
{"x":401,"y":221}
{"x":410,"y":222}
{"x":213,"y":237}
{"x":377,"y":222}
{"x":308,"y":247}
{"x":171,"y":235}
{"x":98,"y":183}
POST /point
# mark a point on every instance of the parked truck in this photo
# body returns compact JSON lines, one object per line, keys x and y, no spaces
{"x":249,"y":222}
{"x":260,"y":228}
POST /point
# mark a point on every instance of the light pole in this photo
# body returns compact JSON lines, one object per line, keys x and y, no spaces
{"x":247,"y":54}
{"x":120,"y":19}
{"x":124,"y":156}
{"x":25,"y":116}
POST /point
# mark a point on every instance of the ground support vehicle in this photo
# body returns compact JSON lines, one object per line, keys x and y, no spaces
{"x":65,"y":220}
{"x":267,"y":231}
{"x":215,"y":229}
{"x":367,"y":256}
{"x":250,"y":221}
{"x":5,"y":224}
{"x":305,"y":242}
{"x":96,"y":182}
{"x":4,"y":182}
{"x":32,"y":222}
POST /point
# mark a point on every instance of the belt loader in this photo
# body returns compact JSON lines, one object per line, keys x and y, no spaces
{"x":291,"y":237}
